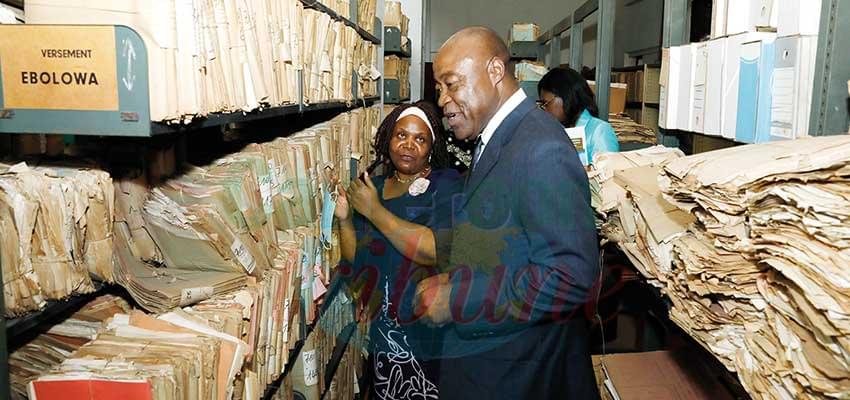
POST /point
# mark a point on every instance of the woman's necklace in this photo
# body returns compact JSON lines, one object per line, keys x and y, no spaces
{"x":422,"y":173}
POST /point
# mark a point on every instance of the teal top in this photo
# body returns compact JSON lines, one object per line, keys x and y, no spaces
{"x":600,"y":137}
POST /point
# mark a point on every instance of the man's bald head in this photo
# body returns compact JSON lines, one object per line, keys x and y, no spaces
{"x":481,"y":40}
{"x":475,"y":77}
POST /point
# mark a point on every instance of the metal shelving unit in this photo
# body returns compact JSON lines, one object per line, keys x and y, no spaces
{"x":133,"y":121}
{"x":395,"y":43}
{"x":550,"y":43}
{"x":830,"y":113}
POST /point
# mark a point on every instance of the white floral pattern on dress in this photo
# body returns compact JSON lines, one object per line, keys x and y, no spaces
{"x":398,"y":374}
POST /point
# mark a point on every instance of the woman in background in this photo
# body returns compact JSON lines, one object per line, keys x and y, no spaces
{"x":567,"y":96}
{"x":401,"y":227}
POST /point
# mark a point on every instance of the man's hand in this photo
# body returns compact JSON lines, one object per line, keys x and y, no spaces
{"x":432,"y":299}
{"x":364,"y":196}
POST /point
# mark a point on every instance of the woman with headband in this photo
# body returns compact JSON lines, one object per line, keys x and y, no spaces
{"x":394,"y":230}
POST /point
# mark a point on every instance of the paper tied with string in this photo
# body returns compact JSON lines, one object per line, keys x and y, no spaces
{"x":419,"y":186}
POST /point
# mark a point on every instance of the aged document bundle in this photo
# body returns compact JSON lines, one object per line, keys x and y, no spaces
{"x":53,"y":347}
{"x":57,"y":233}
{"x":756,"y":267}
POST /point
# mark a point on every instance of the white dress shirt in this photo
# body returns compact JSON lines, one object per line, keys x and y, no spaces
{"x":502,"y":113}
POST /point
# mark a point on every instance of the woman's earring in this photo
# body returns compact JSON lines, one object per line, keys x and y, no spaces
{"x":429,"y":158}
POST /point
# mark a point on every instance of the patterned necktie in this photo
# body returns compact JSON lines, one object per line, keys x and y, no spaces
{"x":479,"y":144}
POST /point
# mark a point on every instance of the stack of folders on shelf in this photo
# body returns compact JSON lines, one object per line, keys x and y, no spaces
{"x":50,"y":349}
{"x":228,"y":56}
{"x":629,"y":131}
{"x":57,"y":224}
{"x":749,"y":244}
{"x":631,"y":211}
{"x":215,"y":224}
{"x":752,"y":82}
{"x":337,"y":330}
{"x":394,"y":17}
{"x":366,"y":13}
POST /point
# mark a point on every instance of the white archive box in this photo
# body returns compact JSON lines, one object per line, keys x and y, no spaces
{"x":754,"y":91}
{"x":686,"y":80}
{"x":714,"y":86}
{"x":749,"y":15}
{"x":718,"y":18}
{"x":669,"y":104}
{"x":731,"y":79}
{"x":793,"y":79}
{"x":799,"y":17}
{"x":698,"y":87}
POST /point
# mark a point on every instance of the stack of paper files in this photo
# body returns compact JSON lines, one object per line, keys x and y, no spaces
{"x":632,"y":212}
{"x":227,"y":56}
{"x":768,"y":265}
{"x":172,"y":356}
{"x":629,"y":131}
{"x":531,"y":71}
{"x":366,"y":13}
{"x":57,"y":225}
{"x":53,"y":347}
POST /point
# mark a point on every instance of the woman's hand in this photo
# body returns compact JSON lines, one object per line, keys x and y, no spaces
{"x":364,"y":197}
{"x":343,"y":209}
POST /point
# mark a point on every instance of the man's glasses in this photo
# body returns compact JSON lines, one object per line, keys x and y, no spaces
{"x":543,"y":104}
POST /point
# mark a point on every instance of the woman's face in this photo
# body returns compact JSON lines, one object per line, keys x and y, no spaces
{"x":552,"y":104}
{"x":410,"y":145}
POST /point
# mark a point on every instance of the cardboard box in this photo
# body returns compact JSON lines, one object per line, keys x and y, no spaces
{"x":714,"y":87}
{"x":799,"y":17}
{"x":698,"y":88}
{"x":793,"y":81}
{"x":754,"y":94}
{"x":616,"y":96}
{"x":651,"y":84}
{"x":750,"y":15}
{"x":523,"y":32}
{"x":658,"y":375}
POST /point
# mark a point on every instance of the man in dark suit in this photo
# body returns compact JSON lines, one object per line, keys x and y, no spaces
{"x":524,"y":258}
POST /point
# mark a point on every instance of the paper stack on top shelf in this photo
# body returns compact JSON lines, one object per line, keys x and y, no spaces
{"x":50,"y":349}
{"x":217,"y":57}
{"x":59,"y":233}
{"x":366,"y":13}
{"x":766,"y":265}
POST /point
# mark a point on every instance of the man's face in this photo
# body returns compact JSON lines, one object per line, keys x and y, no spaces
{"x":467,"y":92}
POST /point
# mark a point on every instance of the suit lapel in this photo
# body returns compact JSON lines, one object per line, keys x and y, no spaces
{"x":491,"y":153}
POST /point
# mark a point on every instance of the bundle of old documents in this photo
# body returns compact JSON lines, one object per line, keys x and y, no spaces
{"x":50,"y":349}
{"x":531,"y":71}
{"x":779,"y":209}
{"x":629,"y":131}
{"x":759,"y":276}
{"x":57,"y":233}
{"x":229,"y":56}
{"x":631,"y":211}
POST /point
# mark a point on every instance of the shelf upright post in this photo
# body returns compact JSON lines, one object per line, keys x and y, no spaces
{"x":604,"y":54}
{"x":299,"y":77}
{"x":576,"y":44}
{"x":555,"y":51}
{"x":830,"y":113}
{"x":676,"y":32}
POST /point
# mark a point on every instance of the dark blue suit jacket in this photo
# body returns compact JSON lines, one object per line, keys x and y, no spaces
{"x":524,"y":261}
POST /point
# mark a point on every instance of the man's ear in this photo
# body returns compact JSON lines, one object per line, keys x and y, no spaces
{"x":496,"y":69}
